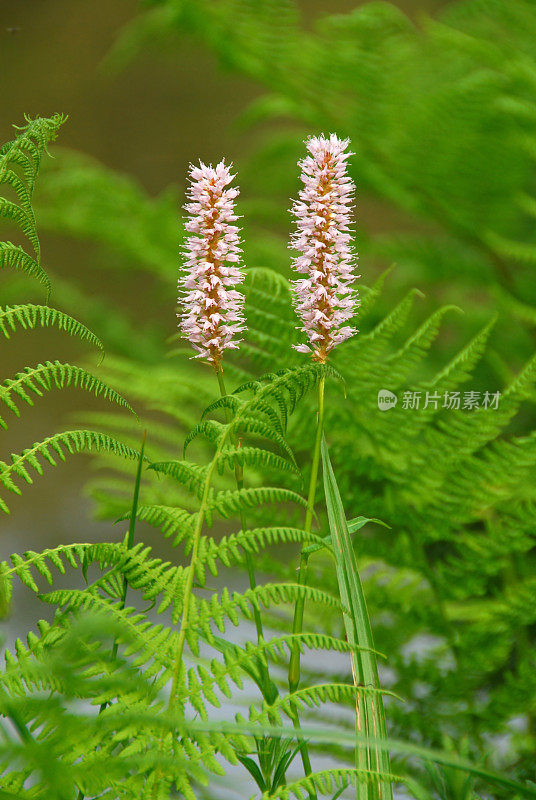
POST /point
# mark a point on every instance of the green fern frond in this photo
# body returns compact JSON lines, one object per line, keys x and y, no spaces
{"x":79,"y":555}
{"x":55,"y":447}
{"x":22,"y":565}
{"x":243,"y":425}
{"x":233,"y":548}
{"x":52,"y":375}
{"x":172,"y":521}
{"x":373,"y":344}
{"x":147,"y":645}
{"x":277,"y":648}
{"x":256,"y":540}
{"x":179,"y":523}
{"x":403,"y":362}
{"x":16,"y":215}
{"x":459,"y":369}
{"x":226,"y":607}
{"x":286,"y":386}
{"x":330,"y":780}
{"x":239,"y":660}
{"x":188,"y":474}
{"x":31,"y":316}
{"x":29,"y":145}
{"x":229,"y":503}
{"x":313,"y":696}
{"x":24,"y":153}
{"x":254,"y":457}
{"x":209,"y":429}
{"x":152,"y":577}
{"x":13,"y":256}
{"x":227,"y":403}
{"x":281,"y":646}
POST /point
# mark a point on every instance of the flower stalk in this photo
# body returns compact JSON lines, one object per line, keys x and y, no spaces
{"x":325,"y":300}
{"x":212,"y":313}
{"x":211,"y":317}
{"x":294,"y":670}
{"x":294,"y":673}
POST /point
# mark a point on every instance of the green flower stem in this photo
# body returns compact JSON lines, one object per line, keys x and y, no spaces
{"x":294,"y":673}
{"x":239,"y":477}
{"x":294,"y":670}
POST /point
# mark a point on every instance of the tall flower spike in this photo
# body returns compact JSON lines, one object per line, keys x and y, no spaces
{"x":211,"y":308}
{"x":325,"y":299}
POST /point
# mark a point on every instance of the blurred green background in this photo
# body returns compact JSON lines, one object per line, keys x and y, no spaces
{"x":166,"y":108}
{"x":439,"y":99}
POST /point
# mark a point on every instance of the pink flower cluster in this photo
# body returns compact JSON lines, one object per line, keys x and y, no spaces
{"x":325,"y":299}
{"x":212,"y":309}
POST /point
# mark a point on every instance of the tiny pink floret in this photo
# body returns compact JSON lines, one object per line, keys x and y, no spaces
{"x":211,"y":314}
{"x":325,"y":299}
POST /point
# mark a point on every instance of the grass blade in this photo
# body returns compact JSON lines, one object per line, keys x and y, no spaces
{"x":407,"y":749}
{"x":370,"y":715}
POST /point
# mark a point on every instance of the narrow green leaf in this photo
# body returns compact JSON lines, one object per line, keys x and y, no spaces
{"x":370,"y":715}
{"x":253,"y":770}
{"x":404,"y":748}
{"x":354,"y":525}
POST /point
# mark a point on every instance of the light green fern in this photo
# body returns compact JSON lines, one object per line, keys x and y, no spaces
{"x":19,"y":167}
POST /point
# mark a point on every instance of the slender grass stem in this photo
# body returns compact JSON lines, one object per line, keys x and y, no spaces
{"x":132,"y":523}
{"x":130,"y":537}
{"x":130,"y":544}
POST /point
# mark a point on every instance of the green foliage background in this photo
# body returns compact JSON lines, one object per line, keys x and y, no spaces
{"x":441,"y":112}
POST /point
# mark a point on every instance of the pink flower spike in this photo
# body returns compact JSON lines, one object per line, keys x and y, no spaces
{"x":326,"y":298}
{"x":211,"y":309}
